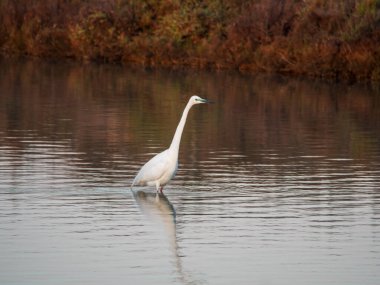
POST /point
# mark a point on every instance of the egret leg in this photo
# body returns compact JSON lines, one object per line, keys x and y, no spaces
{"x":161,"y":189}
{"x":158,"y":187}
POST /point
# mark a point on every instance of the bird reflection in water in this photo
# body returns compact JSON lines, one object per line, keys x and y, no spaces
{"x":158,"y":208}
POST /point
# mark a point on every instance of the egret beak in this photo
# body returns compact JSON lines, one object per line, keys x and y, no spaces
{"x":205,"y":101}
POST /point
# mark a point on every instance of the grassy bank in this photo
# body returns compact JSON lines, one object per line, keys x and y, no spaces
{"x":321,"y":38}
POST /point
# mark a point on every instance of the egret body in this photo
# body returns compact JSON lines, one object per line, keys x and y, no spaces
{"x":159,"y":170}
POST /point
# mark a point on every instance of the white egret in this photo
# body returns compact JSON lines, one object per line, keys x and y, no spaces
{"x":159,"y":170}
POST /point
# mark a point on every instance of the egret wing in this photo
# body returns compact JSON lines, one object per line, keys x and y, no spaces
{"x":152,"y":170}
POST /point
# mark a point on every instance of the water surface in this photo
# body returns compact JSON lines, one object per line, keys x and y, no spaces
{"x":279,"y":180}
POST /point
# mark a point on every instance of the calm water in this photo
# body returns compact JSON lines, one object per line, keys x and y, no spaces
{"x":279,"y":181}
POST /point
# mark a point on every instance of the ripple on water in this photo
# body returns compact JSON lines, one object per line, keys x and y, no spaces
{"x":270,"y":190}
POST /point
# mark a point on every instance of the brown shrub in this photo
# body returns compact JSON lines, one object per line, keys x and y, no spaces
{"x":331,"y":39}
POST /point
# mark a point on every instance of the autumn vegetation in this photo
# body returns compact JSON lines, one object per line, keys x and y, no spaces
{"x":338,"y":40}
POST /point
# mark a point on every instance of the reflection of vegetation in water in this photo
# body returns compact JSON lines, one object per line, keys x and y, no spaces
{"x":334,"y":39}
{"x":107,"y":110}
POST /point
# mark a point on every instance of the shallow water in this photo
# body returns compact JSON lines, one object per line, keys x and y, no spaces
{"x":279,"y":180}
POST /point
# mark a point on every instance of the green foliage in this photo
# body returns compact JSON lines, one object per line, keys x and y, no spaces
{"x":363,"y":21}
{"x":95,"y":37}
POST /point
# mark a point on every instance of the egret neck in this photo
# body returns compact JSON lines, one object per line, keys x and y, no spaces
{"x":161,"y":168}
{"x":174,"y":147}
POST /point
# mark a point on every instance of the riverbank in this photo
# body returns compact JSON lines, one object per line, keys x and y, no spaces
{"x":337,"y":40}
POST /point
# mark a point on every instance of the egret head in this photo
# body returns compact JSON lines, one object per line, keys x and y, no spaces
{"x":198,"y":100}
